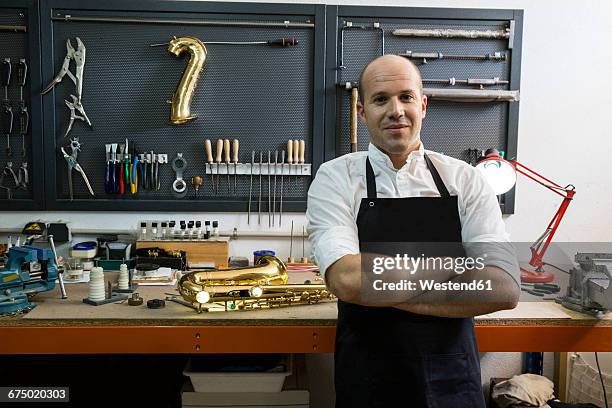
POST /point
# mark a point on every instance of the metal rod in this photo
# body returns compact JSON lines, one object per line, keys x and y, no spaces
{"x":14,"y":28}
{"x":274,"y":200}
{"x":59,"y":274}
{"x":251,"y":185}
{"x":452,"y":33}
{"x":497,"y":56}
{"x":472,"y":95}
{"x":280,"y":219}
{"x":259,"y":200}
{"x":269,"y":191}
{"x":218,"y":23}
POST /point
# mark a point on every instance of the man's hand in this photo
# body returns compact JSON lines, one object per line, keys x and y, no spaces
{"x":344,"y":280}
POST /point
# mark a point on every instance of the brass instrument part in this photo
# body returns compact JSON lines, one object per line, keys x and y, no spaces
{"x":261,"y":286}
{"x":181,"y":100}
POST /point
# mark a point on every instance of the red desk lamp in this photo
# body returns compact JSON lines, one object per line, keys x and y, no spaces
{"x":501,"y":175}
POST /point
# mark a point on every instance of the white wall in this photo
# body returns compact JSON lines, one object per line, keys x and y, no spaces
{"x":564,"y":132}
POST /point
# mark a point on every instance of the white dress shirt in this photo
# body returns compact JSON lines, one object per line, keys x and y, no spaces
{"x":335,"y":196}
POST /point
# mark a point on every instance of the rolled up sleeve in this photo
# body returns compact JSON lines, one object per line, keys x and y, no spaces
{"x":331,"y":224}
{"x":481,"y":222}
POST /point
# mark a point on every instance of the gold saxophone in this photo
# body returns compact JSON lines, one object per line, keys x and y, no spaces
{"x":181,"y":100}
{"x":261,"y":286}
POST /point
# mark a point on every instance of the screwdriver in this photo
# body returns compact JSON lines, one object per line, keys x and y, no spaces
{"x":218,"y":154}
{"x":107,"y":171}
{"x":126,"y":166}
{"x":235,"y":146}
{"x":121,"y":187}
{"x":290,"y":157}
{"x":6,"y":76}
{"x":296,"y":158}
{"x":226,"y":147}
{"x":302,"y":151}
{"x":209,"y":160}
{"x":134,"y":170}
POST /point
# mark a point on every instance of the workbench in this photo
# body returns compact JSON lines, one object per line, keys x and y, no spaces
{"x":71,"y":327}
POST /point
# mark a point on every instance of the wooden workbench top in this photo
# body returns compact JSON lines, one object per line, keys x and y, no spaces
{"x":53,"y":311}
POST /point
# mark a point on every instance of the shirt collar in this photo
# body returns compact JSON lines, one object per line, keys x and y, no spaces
{"x":378,"y":156}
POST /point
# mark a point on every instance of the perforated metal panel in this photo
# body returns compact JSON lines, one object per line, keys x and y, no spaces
{"x":450,"y":127}
{"x":260,"y":95}
{"x":14,"y":45}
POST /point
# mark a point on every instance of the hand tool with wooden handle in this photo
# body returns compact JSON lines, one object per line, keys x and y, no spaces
{"x":209,"y":160}
{"x":226,"y":148}
{"x":235,"y":146}
{"x":218,"y":153}
{"x":296,"y":159}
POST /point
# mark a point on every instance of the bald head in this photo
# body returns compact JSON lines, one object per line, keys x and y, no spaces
{"x":375,"y":70}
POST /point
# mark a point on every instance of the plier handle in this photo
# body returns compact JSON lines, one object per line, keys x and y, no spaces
{"x":71,"y":159}
{"x":78,"y":56}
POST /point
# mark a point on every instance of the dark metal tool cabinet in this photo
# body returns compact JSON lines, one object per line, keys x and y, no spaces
{"x":261,"y":95}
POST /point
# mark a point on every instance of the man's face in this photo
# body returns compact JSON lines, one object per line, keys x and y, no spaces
{"x":393,"y":107}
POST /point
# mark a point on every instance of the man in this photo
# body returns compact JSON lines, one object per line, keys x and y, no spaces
{"x":418,"y":350}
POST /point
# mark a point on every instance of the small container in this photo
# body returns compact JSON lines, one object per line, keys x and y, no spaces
{"x":215,"y":230}
{"x":143,"y":231}
{"x":164,"y":231}
{"x":207,"y":228}
{"x":198,"y":225}
{"x":258,"y":254}
{"x":154,"y":231}
{"x":190,"y":230}
{"x":183,"y":231}
{"x":172,"y":228}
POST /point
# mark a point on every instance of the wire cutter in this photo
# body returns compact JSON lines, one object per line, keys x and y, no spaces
{"x":71,"y":159}
{"x":78,"y":56}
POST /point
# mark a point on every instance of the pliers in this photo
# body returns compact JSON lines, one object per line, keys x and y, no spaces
{"x":71,"y":159}
{"x":78,"y":56}
{"x":8,"y":171}
{"x":74,"y":106}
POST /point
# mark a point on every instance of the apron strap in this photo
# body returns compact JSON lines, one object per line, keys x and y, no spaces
{"x":370,"y":179}
{"x":436,"y":176}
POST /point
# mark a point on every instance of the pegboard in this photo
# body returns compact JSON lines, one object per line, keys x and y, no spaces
{"x":20,"y":153}
{"x":261,"y":95}
{"x":451,"y":128}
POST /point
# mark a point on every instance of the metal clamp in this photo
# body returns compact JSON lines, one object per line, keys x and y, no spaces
{"x":179,"y":186}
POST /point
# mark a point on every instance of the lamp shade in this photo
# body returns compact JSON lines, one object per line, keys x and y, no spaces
{"x":499,"y":173}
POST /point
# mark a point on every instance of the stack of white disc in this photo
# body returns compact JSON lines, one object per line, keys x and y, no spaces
{"x":124,"y":279}
{"x":96,"y":284}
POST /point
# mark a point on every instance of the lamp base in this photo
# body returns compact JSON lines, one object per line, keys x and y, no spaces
{"x":536,"y":277}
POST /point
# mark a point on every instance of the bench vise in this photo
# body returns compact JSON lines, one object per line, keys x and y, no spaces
{"x":28,"y":271}
{"x":590,"y":289}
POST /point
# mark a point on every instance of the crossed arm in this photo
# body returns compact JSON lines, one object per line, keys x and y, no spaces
{"x":344,"y":279}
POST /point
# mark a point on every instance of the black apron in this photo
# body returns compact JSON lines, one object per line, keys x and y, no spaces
{"x":386,"y":357}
